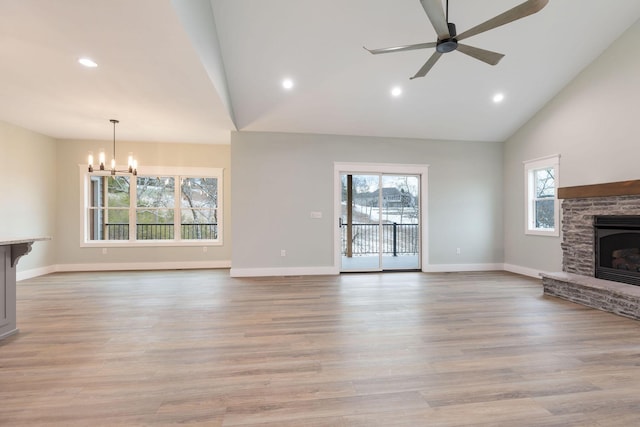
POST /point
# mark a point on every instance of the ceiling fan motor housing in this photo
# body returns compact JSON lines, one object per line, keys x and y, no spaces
{"x":450,"y":44}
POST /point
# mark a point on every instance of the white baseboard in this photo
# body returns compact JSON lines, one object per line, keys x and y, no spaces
{"x":124,"y":266}
{"x":259,"y":272}
{"x":284,"y":271}
{"x":127,"y":266}
{"x":451,"y":268}
{"x":35,"y":272}
{"x":525,"y":271}
{"x":315,"y":271}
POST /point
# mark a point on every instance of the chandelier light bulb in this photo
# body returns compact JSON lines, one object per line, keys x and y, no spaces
{"x":101,"y":159}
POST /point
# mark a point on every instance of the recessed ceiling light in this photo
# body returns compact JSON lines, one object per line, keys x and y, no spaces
{"x":498,"y":98}
{"x":396,"y":91}
{"x":87,"y":62}
{"x":287,"y":84}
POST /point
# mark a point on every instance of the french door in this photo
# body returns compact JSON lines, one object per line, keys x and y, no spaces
{"x":380,"y":221}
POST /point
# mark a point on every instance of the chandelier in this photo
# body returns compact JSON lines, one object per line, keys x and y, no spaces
{"x":132,"y":167}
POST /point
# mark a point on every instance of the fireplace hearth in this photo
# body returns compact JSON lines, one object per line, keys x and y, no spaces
{"x":600,"y":248}
{"x":617,"y":248}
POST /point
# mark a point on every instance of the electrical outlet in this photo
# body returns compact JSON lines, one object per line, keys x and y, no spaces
{"x":204,"y":249}
{"x":283,"y":252}
{"x":104,"y":251}
{"x":457,"y":251}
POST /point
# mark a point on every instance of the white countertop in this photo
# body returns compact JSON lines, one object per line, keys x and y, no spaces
{"x":22,"y":240}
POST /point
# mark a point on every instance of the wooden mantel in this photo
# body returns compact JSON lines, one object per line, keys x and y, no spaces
{"x":622,"y":188}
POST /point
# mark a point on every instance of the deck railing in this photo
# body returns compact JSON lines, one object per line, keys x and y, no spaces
{"x":206,"y":231}
{"x":396,"y":239}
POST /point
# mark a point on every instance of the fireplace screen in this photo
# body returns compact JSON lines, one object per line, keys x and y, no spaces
{"x":617,"y":248}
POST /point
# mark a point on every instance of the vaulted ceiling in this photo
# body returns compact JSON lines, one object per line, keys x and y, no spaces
{"x":193,"y":70}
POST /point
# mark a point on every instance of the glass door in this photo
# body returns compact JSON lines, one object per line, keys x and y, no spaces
{"x":360,"y":222}
{"x":400,"y":219}
{"x":380,"y":222}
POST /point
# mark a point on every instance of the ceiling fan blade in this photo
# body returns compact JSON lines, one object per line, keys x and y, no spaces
{"x":428,"y":65}
{"x":527,"y":8}
{"x":491,"y":58}
{"x":436,"y":16}
{"x":400,"y":48}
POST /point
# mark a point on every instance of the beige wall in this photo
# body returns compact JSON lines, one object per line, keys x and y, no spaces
{"x":28,"y":192}
{"x":594,"y":124}
{"x":40,"y":196}
{"x":71,"y":153}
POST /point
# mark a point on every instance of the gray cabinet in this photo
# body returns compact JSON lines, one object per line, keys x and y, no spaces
{"x":10,"y":253}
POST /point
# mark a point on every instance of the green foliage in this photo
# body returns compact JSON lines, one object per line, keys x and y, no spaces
{"x":118,"y":191}
{"x":155,"y":192}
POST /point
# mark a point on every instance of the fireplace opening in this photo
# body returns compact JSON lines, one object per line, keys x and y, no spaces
{"x":617,"y":248}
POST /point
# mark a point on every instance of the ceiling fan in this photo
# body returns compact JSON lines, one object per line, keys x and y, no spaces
{"x":448,"y":39}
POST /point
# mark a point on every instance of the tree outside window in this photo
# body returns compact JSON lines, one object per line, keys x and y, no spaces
{"x":155,"y":205}
{"x":198,"y":208}
{"x":153,"y":209}
{"x":544,"y":198}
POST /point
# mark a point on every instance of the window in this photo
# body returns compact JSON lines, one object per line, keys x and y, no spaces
{"x":108,"y":208}
{"x":168,"y":207}
{"x":542,"y":207}
{"x":155,"y":207}
{"x":198,"y":212}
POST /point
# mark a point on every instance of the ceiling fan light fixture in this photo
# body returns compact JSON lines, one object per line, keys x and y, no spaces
{"x":446,"y":46}
{"x":450,"y":44}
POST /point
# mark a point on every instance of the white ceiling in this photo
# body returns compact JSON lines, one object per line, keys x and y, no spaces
{"x":162,"y":87}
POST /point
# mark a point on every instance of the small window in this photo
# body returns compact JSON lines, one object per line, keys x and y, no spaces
{"x":542,"y":206}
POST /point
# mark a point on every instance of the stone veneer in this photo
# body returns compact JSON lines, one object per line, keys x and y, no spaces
{"x":577,"y":282}
{"x":614,"y":297}
{"x":577,"y":228}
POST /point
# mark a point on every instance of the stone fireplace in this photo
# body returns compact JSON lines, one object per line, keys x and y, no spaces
{"x":591,"y":215}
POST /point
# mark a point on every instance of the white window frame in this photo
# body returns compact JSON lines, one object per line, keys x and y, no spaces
{"x":178,"y":172}
{"x":530,"y":166}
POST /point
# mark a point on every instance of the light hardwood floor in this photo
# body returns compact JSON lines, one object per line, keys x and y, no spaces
{"x":395,"y":349}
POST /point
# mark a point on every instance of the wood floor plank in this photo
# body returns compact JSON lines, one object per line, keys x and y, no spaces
{"x":403,"y":349}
